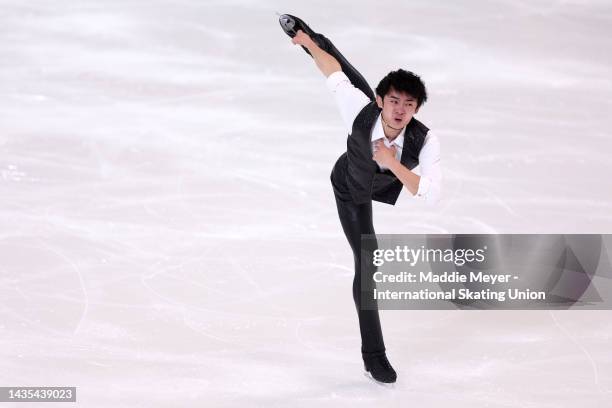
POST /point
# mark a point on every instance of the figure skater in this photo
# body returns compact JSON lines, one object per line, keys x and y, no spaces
{"x":385,"y":143}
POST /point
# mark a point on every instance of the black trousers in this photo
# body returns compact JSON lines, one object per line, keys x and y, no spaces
{"x":356,"y":219}
{"x":353,"y":75}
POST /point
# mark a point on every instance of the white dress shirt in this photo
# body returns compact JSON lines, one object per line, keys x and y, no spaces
{"x":351,"y":101}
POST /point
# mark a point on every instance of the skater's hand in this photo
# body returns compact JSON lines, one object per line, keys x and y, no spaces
{"x":383,"y":155}
{"x":301,"y":38}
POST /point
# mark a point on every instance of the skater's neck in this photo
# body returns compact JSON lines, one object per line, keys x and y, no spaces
{"x":390,"y":132}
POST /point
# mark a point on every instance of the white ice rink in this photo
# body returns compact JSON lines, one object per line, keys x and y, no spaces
{"x":169,"y":236}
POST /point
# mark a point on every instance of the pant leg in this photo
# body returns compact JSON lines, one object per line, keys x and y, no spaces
{"x":356,"y":219}
{"x":353,"y":75}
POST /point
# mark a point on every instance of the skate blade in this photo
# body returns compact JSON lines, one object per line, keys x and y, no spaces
{"x":382,"y":384}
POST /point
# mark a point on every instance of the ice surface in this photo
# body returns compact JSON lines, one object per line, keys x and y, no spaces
{"x":168,"y":231}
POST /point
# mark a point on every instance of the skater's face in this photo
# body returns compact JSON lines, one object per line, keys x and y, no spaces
{"x":397,"y":108}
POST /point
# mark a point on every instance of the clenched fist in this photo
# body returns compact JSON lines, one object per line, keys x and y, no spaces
{"x":383,"y":155}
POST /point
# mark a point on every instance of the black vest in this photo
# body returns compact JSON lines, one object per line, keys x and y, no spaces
{"x":364,"y":179}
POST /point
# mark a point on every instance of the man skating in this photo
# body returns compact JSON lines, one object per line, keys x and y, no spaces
{"x":385,"y":143}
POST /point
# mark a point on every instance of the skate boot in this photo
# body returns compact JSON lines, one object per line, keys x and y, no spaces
{"x":291,"y":24}
{"x":380,"y":369}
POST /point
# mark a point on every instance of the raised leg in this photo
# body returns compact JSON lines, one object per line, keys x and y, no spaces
{"x":292,"y":24}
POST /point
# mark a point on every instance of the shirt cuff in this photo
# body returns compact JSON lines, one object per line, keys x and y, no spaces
{"x":335,"y":79}
{"x":424,"y":186}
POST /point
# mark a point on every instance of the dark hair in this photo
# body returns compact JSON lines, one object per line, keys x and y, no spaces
{"x":403,"y":81}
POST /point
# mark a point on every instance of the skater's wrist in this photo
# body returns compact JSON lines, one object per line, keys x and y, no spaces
{"x":394,"y":164}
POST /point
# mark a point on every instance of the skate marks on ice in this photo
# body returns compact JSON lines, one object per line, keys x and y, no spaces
{"x":168,"y":218}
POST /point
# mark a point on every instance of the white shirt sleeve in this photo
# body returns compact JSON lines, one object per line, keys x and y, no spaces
{"x":350,"y":100}
{"x":431,"y":174}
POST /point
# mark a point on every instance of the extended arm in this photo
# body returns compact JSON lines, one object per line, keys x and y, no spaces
{"x":325,"y":62}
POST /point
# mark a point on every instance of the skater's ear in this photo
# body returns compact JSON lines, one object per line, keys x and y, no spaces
{"x":379,"y":101}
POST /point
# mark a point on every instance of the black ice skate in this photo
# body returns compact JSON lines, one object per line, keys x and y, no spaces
{"x":291,"y":24}
{"x":380,"y":369}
